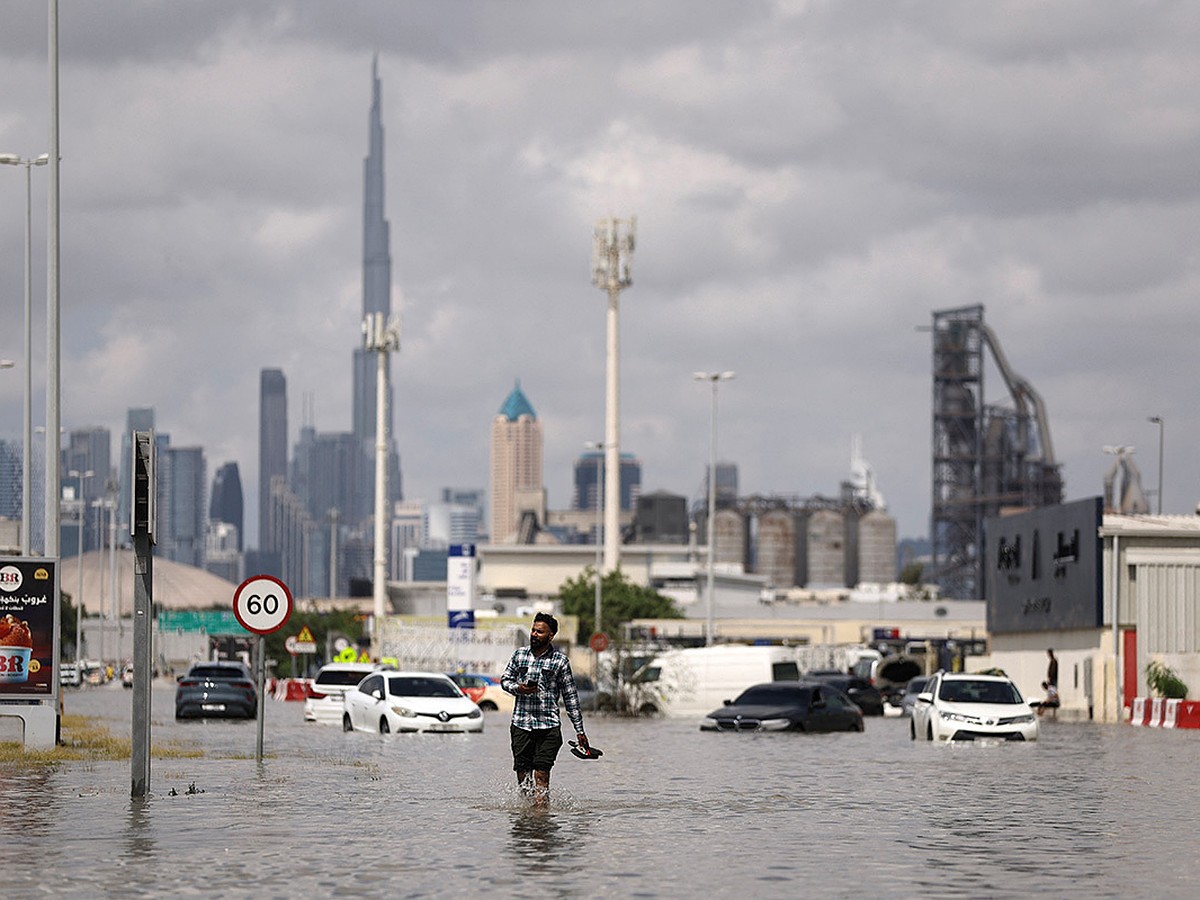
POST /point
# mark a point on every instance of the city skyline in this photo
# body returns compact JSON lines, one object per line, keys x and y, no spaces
{"x":811,"y":183}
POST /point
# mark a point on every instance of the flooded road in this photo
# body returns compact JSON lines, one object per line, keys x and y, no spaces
{"x":1090,"y":810}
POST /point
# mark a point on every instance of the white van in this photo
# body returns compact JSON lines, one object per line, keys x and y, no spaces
{"x":696,"y":681}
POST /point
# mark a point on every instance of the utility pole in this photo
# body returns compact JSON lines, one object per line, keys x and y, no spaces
{"x":382,"y":336}
{"x":612,"y":259}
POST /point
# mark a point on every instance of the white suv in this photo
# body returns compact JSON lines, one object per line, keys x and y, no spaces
{"x":323,"y":697}
{"x":971,"y":707}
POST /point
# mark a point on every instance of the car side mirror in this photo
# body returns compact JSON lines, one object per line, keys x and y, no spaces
{"x":727,"y":702}
{"x":925,"y":697}
{"x":179,"y":678}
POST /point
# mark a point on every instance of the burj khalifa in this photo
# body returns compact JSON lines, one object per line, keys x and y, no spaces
{"x":377,"y":298}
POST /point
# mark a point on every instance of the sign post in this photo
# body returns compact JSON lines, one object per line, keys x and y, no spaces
{"x":262,"y":604}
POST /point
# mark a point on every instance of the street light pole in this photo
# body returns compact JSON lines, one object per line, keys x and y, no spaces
{"x":82,"y":502}
{"x":27,"y":430}
{"x":1157,"y":420}
{"x":714,"y":378}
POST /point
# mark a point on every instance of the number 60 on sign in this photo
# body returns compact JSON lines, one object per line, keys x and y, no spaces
{"x":262,"y":604}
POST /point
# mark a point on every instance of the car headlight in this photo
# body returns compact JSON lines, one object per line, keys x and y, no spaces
{"x":957,"y":717}
{"x":404,"y":712}
{"x":474,"y":714}
{"x":1023,"y":720}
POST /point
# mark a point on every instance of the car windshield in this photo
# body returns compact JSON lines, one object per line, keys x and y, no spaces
{"x":227,"y":673}
{"x":767,"y":694}
{"x":340,"y":677}
{"x":409,"y":686}
{"x":981,"y":691}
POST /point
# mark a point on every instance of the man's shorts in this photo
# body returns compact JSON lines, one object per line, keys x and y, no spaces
{"x":535,"y":750}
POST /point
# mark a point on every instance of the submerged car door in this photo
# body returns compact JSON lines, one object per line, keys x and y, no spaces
{"x":364,"y":703}
{"x":819,"y":712}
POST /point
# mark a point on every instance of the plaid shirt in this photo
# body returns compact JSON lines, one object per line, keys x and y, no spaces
{"x":553,"y":674}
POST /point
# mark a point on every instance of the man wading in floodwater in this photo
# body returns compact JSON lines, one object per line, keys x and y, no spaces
{"x":537,"y":676}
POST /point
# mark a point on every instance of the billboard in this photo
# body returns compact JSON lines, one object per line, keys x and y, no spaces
{"x":28,"y":597}
{"x":1043,"y":569}
{"x":460,"y":578}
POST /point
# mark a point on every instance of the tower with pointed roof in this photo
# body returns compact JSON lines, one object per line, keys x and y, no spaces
{"x":516,"y":465}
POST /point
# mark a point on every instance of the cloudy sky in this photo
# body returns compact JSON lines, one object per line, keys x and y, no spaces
{"x":812,"y":180}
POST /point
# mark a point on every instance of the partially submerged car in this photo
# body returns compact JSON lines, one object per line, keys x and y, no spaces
{"x":786,"y":706}
{"x":959,"y":707}
{"x":405,"y":702}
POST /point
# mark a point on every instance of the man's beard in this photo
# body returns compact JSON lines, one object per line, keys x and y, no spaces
{"x":538,"y":643}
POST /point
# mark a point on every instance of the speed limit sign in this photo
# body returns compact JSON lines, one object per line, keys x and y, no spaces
{"x":262,"y":604}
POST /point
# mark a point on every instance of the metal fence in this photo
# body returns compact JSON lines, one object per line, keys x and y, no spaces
{"x":439,"y":649}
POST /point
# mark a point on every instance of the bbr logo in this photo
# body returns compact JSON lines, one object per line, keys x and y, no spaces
{"x":10,"y":578}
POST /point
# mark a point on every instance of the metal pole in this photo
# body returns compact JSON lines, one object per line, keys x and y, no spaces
{"x":712,"y":512}
{"x":27,"y":421}
{"x":612,"y":433}
{"x":381,"y":517}
{"x":53,"y":326}
{"x":260,"y":676}
{"x":143,"y":593}
{"x":333,"y":544}
{"x":1157,"y":420}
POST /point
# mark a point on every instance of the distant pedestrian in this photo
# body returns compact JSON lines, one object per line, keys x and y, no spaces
{"x":1051,"y":702}
{"x":1052,"y":669}
{"x":538,"y":675}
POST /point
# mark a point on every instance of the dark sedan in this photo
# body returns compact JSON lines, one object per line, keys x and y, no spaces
{"x":213,"y":689}
{"x":866,"y":697}
{"x":786,"y":706}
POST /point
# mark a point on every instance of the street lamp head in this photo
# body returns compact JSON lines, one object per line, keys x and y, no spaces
{"x":1157,"y":420}
{"x":713,"y":376}
{"x":42,"y":160}
{"x":9,"y":159}
{"x":6,"y":363}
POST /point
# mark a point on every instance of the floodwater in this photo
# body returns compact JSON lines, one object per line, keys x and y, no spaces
{"x":1090,"y":810}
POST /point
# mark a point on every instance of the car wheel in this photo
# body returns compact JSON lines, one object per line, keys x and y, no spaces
{"x":488,"y":706}
{"x":346,"y":724}
{"x":860,"y":726}
{"x":384,"y":728}
{"x":648,"y":709}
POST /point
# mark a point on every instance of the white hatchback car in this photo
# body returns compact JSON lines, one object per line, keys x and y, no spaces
{"x":963,"y":707}
{"x":323,"y":698}
{"x":406,"y":702}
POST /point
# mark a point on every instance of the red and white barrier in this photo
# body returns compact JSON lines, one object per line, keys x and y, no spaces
{"x":1155,"y":712}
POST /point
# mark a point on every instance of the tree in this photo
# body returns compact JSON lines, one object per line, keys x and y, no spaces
{"x":621,"y":601}
{"x":911,"y":573}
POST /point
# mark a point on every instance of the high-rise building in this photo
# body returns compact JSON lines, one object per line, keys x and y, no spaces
{"x":327,"y":475}
{"x":476,"y":498}
{"x":137,"y":418}
{"x":182,"y":524}
{"x":10,"y":480}
{"x":226,"y":504}
{"x":90,"y":450}
{"x":272,"y":446}
{"x":516,"y":464}
{"x":589,"y":480}
{"x":377,"y":298}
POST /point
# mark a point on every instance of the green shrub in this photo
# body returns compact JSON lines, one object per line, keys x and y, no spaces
{"x":1165,"y":682}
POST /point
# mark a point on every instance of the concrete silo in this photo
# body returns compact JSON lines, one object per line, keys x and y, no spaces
{"x":877,"y":548}
{"x":826,"y":549}
{"x":776,"y":556}
{"x":732,"y":537}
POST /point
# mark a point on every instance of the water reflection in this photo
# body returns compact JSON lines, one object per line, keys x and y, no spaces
{"x":139,"y":840}
{"x":537,"y":834}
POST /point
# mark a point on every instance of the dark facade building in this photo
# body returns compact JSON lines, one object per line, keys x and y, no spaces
{"x":272,"y":447}
{"x":662,"y":518}
{"x":226,"y":503}
{"x":589,"y":480}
